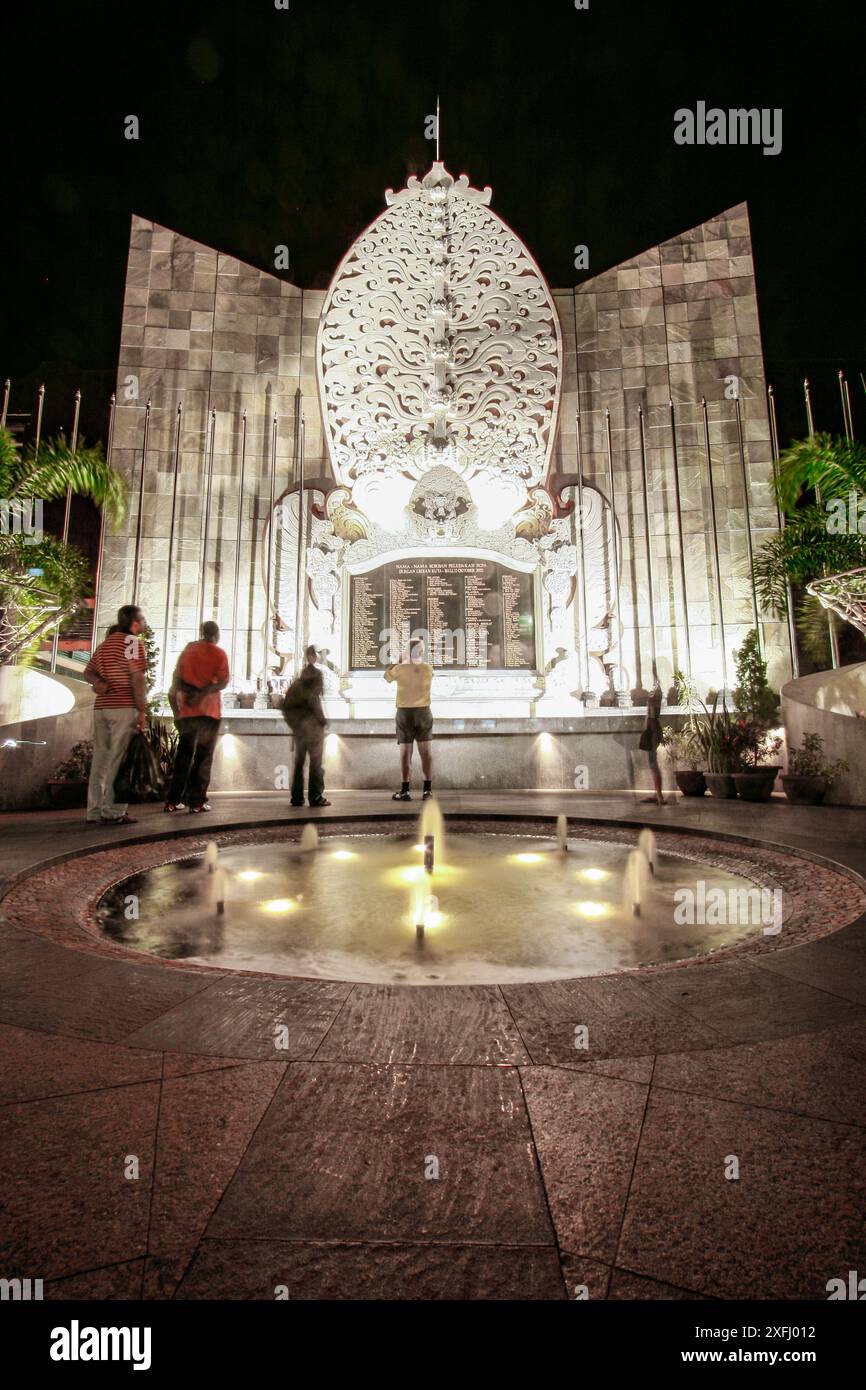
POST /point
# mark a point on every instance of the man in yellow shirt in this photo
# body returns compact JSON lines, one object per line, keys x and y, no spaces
{"x":414,"y":716}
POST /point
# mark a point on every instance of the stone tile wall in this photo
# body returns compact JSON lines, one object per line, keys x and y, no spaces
{"x":674,"y":323}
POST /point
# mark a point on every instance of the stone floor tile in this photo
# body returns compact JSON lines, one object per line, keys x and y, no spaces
{"x":790,"y":1222}
{"x":68,"y":1206}
{"x":586,"y":1131}
{"x":452,"y":1023}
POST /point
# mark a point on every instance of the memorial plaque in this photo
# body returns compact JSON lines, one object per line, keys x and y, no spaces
{"x":472,"y":614}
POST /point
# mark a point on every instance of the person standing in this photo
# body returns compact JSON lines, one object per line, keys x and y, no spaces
{"x":116,"y":671}
{"x":202,"y":671}
{"x":304,"y":713}
{"x":414,"y":718}
{"x":652,"y":737}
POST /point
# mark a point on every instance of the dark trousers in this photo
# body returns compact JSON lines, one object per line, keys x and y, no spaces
{"x":309,"y":743}
{"x":192,"y":765}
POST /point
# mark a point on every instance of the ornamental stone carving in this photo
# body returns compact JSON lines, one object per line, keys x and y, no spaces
{"x":439,"y":346}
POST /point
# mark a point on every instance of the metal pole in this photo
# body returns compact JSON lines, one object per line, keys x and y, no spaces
{"x":138,"y":520}
{"x":238,"y":545}
{"x":808,"y":396}
{"x":615,"y":548}
{"x":581,"y":521}
{"x":206,"y":536}
{"x":715,"y":546}
{"x":40,"y":402}
{"x":748,"y":521}
{"x":269,"y":559}
{"x":789,"y":597}
{"x":74,"y":440}
{"x":7,"y":387}
{"x":171,"y":542}
{"x":67,"y":513}
{"x":649,"y":556}
{"x":101,"y":550}
{"x":834,"y":639}
{"x":681,"y":539}
{"x":846,"y":404}
{"x":299,"y":586}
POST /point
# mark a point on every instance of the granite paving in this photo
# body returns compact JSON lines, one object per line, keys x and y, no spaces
{"x":177,"y":1132}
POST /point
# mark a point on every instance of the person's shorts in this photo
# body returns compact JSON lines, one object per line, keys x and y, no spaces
{"x":414,"y":724}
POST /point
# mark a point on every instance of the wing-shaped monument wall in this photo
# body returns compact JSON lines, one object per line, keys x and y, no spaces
{"x":453,"y":406}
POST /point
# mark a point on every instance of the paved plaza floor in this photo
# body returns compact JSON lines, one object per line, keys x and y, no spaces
{"x":436,"y":1142}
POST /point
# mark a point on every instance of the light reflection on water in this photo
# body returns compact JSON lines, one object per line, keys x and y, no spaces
{"x":510,"y":908}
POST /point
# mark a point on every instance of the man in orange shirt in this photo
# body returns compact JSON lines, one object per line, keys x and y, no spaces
{"x":201,"y":673}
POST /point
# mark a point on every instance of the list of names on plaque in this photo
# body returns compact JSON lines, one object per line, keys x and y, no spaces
{"x":472,"y":614}
{"x":366,"y":622}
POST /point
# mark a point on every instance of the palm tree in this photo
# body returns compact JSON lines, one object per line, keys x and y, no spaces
{"x":809,"y":547}
{"x":831,"y":467}
{"x":43,"y":580}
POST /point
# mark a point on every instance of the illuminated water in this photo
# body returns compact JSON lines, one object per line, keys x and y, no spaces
{"x":511,"y":908}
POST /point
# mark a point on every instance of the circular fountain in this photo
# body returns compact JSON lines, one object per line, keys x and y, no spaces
{"x":494,"y":901}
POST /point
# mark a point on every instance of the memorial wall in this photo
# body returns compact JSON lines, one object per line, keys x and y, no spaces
{"x":502,"y":410}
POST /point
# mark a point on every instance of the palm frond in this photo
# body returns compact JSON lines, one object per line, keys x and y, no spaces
{"x":41,"y":587}
{"x":804,"y":550}
{"x":835,"y":467}
{"x":9,"y":461}
{"x":56,"y":467}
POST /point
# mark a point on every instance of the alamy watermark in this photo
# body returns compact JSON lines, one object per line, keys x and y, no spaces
{"x":846,"y":516}
{"x":736,"y":126}
{"x":22,"y":516}
{"x":721,"y":907}
{"x":443,"y":646}
{"x":854,"y":1288}
{"x":20,"y":1290}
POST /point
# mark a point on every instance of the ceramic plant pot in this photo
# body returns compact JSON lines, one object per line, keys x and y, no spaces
{"x":808,"y":790}
{"x":691,"y":783}
{"x":67,"y":796}
{"x":721,"y":784}
{"x":757,"y":784}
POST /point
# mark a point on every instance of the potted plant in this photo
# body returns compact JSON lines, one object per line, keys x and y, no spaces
{"x":718,"y":742}
{"x":682,"y":752}
{"x":757,"y":748}
{"x":67,"y":785}
{"x":757,"y":709}
{"x":809,"y":772}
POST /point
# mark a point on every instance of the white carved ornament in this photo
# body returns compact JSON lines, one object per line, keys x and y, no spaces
{"x":439,"y":345}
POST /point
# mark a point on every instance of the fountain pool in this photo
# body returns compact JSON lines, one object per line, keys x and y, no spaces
{"x":504,"y":904}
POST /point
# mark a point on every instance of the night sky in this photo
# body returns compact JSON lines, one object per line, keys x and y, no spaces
{"x":262,"y":126}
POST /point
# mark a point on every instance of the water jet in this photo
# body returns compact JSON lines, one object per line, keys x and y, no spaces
{"x":309,"y":838}
{"x":646,"y":842}
{"x":635,"y":882}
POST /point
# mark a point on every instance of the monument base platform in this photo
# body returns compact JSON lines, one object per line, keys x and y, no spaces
{"x":592,"y":752}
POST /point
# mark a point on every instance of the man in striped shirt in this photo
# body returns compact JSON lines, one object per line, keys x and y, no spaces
{"x":116,"y":671}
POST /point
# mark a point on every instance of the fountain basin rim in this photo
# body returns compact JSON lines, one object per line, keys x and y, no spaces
{"x":204,"y":832}
{"x":77,"y":928}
